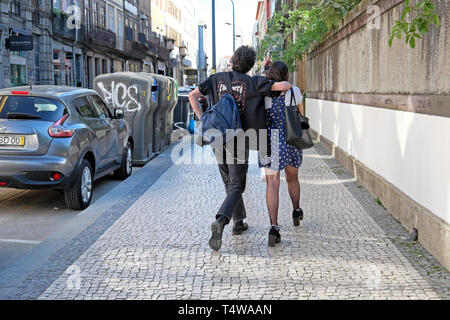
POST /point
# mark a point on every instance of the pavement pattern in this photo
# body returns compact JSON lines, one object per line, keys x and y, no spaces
{"x":347,"y":247}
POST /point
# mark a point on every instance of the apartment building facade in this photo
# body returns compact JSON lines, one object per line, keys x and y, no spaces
{"x":29,"y":21}
{"x":73,"y":41}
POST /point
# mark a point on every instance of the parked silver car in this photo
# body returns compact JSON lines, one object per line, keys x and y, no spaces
{"x":61,"y":138}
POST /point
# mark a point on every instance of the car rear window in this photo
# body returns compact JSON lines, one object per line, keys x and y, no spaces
{"x":46,"y":108}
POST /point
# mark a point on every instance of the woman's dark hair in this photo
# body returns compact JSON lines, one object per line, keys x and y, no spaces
{"x":243,"y":59}
{"x":278,"y":71}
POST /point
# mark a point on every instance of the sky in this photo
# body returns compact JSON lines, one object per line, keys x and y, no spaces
{"x":245,"y":11}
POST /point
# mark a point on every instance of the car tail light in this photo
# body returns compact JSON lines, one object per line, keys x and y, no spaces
{"x":56,"y":176}
{"x":58,"y":131}
{"x":20,"y":92}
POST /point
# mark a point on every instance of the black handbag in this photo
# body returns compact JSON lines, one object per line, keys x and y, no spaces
{"x":297,"y":126}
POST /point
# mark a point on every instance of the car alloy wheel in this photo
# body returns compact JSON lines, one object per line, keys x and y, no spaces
{"x":86,"y":184}
{"x":129,"y":160}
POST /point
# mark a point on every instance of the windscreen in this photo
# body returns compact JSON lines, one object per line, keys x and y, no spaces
{"x":29,"y":107}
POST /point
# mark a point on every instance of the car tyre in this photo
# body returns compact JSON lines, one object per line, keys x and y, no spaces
{"x":78,"y":195}
{"x":127,"y":164}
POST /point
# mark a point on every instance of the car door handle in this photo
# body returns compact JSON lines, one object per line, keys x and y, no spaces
{"x":107,"y":125}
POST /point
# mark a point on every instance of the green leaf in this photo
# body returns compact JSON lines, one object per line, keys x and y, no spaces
{"x":404,"y":26}
{"x":429,"y":5}
{"x":412,"y":42}
{"x":406,"y":11}
{"x":437,"y":22}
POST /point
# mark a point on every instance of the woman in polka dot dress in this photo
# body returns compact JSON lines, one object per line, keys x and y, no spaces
{"x":283,"y":156}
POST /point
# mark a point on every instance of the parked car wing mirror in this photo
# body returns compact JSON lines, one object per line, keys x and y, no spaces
{"x":118,"y":114}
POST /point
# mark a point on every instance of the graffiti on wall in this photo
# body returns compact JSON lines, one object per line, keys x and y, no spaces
{"x":121,"y":96}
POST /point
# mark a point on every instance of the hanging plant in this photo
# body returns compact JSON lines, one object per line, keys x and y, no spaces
{"x":424,"y":16}
{"x":312,"y":19}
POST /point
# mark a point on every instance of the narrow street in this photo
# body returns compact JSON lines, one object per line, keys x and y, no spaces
{"x":148,"y":239}
{"x":29,"y":217}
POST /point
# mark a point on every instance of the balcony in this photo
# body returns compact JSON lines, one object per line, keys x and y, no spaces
{"x":136,"y":49}
{"x":100,"y":37}
{"x":60,"y":27}
{"x":163,"y":52}
{"x":153,"y":43}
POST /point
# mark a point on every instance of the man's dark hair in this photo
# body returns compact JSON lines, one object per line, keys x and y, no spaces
{"x":243,"y":59}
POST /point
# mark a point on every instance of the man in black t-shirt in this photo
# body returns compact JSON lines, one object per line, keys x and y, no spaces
{"x":249,"y":93}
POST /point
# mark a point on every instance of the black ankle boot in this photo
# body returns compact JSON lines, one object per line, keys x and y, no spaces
{"x":297,"y":216}
{"x":239,"y":227}
{"x":274,"y":237}
{"x":217,"y":230}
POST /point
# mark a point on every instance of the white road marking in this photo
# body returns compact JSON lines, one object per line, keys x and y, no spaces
{"x":20,"y":241}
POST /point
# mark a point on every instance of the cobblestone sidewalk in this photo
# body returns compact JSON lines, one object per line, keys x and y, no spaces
{"x":348,"y":246}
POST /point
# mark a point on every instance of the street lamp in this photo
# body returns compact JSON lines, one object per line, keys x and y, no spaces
{"x":242,"y":39}
{"x":236,"y":35}
{"x":213,"y":6}
{"x":234,"y":29}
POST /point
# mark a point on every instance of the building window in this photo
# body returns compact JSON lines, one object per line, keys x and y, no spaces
{"x":18,"y":75}
{"x":78,"y":70}
{"x":37,"y":60}
{"x":57,"y":74}
{"x":111,"y":18}
{"x":56,"y":67}
{"x":102,"y":16}
{"x":104,"y":66}
{"x":87,"y":12}
{"x":145,"y":27}
{"x":95,"y":13}
{"x":97,"y":67}
{"x":68,"y":71}
{"x":61,"y":5}
{"x":15,"y":7}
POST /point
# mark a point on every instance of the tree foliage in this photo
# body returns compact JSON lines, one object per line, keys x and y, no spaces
{"x":424,"y":16}
{"x":311,"y":19}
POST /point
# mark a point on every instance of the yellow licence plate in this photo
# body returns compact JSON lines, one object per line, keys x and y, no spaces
{"x":12,"y":140}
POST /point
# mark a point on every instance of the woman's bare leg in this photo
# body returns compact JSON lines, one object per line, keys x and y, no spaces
{"x":272,"y":194}
{"x":293,"y":185}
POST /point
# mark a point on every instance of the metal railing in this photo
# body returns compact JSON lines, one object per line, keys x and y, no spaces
{"x":100,"y":36}
{"x":136,"y":48}
{"x":60,"y":27}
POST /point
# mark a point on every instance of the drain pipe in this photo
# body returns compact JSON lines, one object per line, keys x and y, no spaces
{"x":74,"y":67}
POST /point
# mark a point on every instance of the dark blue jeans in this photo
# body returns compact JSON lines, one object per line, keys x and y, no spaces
{"x":234,"y":176}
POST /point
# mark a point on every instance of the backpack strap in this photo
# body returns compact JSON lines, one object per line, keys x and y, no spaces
{"x":228,"y":83}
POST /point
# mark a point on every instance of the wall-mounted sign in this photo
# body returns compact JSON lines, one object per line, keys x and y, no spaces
{"x":20,"y":43}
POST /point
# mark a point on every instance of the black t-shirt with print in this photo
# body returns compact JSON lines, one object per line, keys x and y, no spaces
{"x":248,"y":92}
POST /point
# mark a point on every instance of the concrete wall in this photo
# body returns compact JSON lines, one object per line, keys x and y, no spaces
{"x":363,"y":62}
{"x":385,"y":112}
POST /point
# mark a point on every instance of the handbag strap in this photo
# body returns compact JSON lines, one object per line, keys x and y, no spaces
{"x":293,"y":97}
